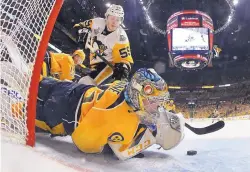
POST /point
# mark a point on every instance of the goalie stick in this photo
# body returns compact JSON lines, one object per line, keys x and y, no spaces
{"x":208,"y":129}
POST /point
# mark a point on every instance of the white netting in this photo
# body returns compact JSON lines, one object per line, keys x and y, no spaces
{"x":22,"y":23}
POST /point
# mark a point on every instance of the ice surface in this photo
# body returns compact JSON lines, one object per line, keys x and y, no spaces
{"x":227,"y":150}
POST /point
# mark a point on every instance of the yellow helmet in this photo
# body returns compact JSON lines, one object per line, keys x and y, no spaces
{"x":171,"y":102}
{"x":145,"y":93}
{"x":80,"y":53}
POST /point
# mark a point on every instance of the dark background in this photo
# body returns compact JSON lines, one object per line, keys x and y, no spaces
{"x":149,"y":48}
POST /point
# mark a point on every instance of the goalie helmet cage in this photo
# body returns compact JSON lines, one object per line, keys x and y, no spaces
{"x":25,"y":29}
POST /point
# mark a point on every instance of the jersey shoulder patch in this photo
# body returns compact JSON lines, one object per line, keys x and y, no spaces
{"x":123,"y":38}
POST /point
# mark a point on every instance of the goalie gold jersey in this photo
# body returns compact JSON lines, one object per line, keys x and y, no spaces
{"x":114,"y":46}
{"x":101,"y":116}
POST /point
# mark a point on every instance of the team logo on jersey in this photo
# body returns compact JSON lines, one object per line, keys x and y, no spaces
{"x":116,"y":137}
{"x":101,"y":46}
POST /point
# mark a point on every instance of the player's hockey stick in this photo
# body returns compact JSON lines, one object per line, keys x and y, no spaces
{"x":205,"y":130}
{"x":93,"y":51}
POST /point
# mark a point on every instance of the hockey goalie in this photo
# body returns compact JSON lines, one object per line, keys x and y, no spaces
{"x":124,"y":116}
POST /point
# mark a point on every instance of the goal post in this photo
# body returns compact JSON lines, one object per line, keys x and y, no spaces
{"x":22,"y":57}
{"x":33,"y":89}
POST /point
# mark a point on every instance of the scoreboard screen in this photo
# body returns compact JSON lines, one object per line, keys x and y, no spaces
{"x":190,"y":39}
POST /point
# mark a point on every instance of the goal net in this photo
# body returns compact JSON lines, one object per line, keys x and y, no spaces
{"x":25,"y":29}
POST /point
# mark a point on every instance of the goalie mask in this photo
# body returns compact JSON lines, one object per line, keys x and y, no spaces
{"x":146,"y":92}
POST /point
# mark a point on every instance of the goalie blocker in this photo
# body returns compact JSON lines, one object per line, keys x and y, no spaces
{"x":109,"y":115}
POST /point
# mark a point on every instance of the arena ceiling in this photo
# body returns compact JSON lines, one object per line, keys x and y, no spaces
{"x":145,"y":20}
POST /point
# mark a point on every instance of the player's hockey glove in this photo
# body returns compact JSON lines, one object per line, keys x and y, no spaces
{"x":86,"y":24}
{"x":120,"y":72}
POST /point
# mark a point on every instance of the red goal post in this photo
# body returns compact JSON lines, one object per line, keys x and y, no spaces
{"x":31,"y":107}
{"x":22,"y":56}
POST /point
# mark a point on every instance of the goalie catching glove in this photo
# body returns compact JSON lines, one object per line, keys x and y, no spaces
{"x":168,"y":133}
{"x":170,"y":129}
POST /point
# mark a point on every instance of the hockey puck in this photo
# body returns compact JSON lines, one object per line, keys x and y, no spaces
{"x":191,"y":152}
{"x":140,"y":155}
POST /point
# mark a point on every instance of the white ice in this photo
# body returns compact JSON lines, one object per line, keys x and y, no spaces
{"x":227,"y":150}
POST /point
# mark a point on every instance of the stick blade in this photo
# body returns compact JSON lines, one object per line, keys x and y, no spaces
{"x":209,"y":129}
